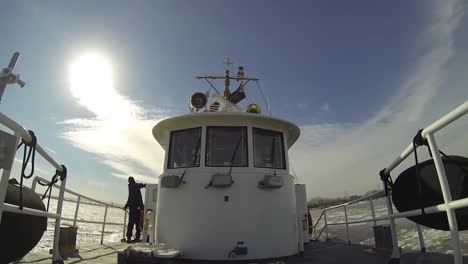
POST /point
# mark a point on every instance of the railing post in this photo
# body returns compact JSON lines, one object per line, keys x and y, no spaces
{"x":326,"y":226}
{"x":396,"y":249}
{"x":76,"y":210}
{"x":372,"y":210}
{"x":56,"y":253}
{"x":421,"y":238}
{"x":452,"y":220}
{"x":104,"y":225}
{"x":347,"y":226}
{"x":124,"y":235}
{"x":6,"y":177}
{"x":315,"y":231}
{"x":34,"y":184}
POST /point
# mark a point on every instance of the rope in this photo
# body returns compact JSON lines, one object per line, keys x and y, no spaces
{"x":30,"y":149}
{"x":418,"y":140}
{"x":387,"y":180}
{"x":454,"y":161}
{"x":59,"y":175}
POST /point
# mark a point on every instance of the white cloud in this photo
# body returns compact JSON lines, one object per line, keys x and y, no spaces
{"x":120,"y":133}
{"x":348,"y":157}
{"x":302,"y":106}
{"x":325,"y":107}
{"x":130,"y":150}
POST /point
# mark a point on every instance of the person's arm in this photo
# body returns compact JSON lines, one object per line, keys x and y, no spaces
{"x":141,"y":185}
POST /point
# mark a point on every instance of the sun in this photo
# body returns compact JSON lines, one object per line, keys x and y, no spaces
{"x":91,"y":83}
{"x":90,"y":77}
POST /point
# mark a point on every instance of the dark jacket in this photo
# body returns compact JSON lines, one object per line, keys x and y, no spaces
{"x":134,"y":195}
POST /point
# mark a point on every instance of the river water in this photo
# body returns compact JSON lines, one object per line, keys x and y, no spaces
{"x":436,"y":241}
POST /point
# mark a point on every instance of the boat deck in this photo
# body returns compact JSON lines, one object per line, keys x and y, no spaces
{"x":330,"y":252}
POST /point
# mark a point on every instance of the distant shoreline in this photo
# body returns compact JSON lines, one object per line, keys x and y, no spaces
{"x":321,"y":203}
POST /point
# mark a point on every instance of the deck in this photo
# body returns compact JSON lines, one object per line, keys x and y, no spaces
{"x":330,"y":252}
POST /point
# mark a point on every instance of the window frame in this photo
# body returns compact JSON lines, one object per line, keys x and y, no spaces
{"x":284,"y":167}
{"x":246,"y":131}
{"x":170,"y":149}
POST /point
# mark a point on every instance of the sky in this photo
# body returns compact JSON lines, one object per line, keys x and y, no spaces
{"x":359,"y":78}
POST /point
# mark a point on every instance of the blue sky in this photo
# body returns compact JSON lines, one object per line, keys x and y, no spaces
{"x":359,"y":78}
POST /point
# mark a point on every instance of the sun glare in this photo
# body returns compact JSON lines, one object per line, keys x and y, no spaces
{"x":91,"y":77}
{"x":91,"y":83}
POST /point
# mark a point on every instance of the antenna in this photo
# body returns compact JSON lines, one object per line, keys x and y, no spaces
{"x":7,"y":76}
{"x":227,"y":82}
{"x":228,"y":63}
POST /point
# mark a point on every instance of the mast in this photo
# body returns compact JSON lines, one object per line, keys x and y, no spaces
{"x":227,"y":78}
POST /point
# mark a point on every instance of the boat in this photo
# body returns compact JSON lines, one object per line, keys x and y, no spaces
{"x":227,"y":193}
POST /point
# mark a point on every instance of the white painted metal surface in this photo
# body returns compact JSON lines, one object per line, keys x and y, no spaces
{"x":301,"y":209}
{"x":208,"y":223}
{"x":22,"y":133}
{"x":151,"y":198}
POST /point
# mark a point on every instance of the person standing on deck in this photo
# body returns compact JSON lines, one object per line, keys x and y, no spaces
{"x":135,"y":204}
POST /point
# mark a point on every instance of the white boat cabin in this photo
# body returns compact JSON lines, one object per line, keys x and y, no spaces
{"x":226,"y":192}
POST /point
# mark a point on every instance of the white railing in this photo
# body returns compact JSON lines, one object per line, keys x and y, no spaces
{"x":22,"y":134}
{"x":449,"y":206}
{"x":88,"y":201}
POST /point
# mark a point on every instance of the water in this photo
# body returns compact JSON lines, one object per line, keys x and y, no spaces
{"x":436,"y":240}
{"x":88,"y":234}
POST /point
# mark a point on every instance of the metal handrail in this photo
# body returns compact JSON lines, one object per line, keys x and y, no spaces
{"x":37,"y":178}
{"x":449,"y":206}
{"x":79,"y":202}
{"x":360,"y":199}
{"x":22,"y":134}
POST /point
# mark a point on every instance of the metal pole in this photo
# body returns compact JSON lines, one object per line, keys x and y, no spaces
{"x":326,"y":226}
{"x":396,"y":250}
{"x":104,"y":225}
{"x":347,"y":226}
{"x":421,"y":238}
{"x":34,"y":184}
{"x":5,"y":178}
{"x":452,"y":220}
{"x":125,"y":225}
{"x":373,"y":211}
{"x":56,"y":253}
{"x":315,"y":232}
{"x":76,"y":210}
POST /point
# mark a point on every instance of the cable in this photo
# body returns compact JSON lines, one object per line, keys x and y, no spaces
{"x":264,"y":98}
{"x":59,"y":175}
{"x":293,"y":171}
{"x":418,"y":140}
{"x":30,"y":149}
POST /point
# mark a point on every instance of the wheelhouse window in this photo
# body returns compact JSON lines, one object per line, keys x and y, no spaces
{"x":268,"y":149}
{"x":226,"y":147}
{"x":184,"y":148}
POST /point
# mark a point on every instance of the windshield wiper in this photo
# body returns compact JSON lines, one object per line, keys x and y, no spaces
{"x":235,"y":152}
{"x":195,"y":156}
{"x":272,"y":155}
